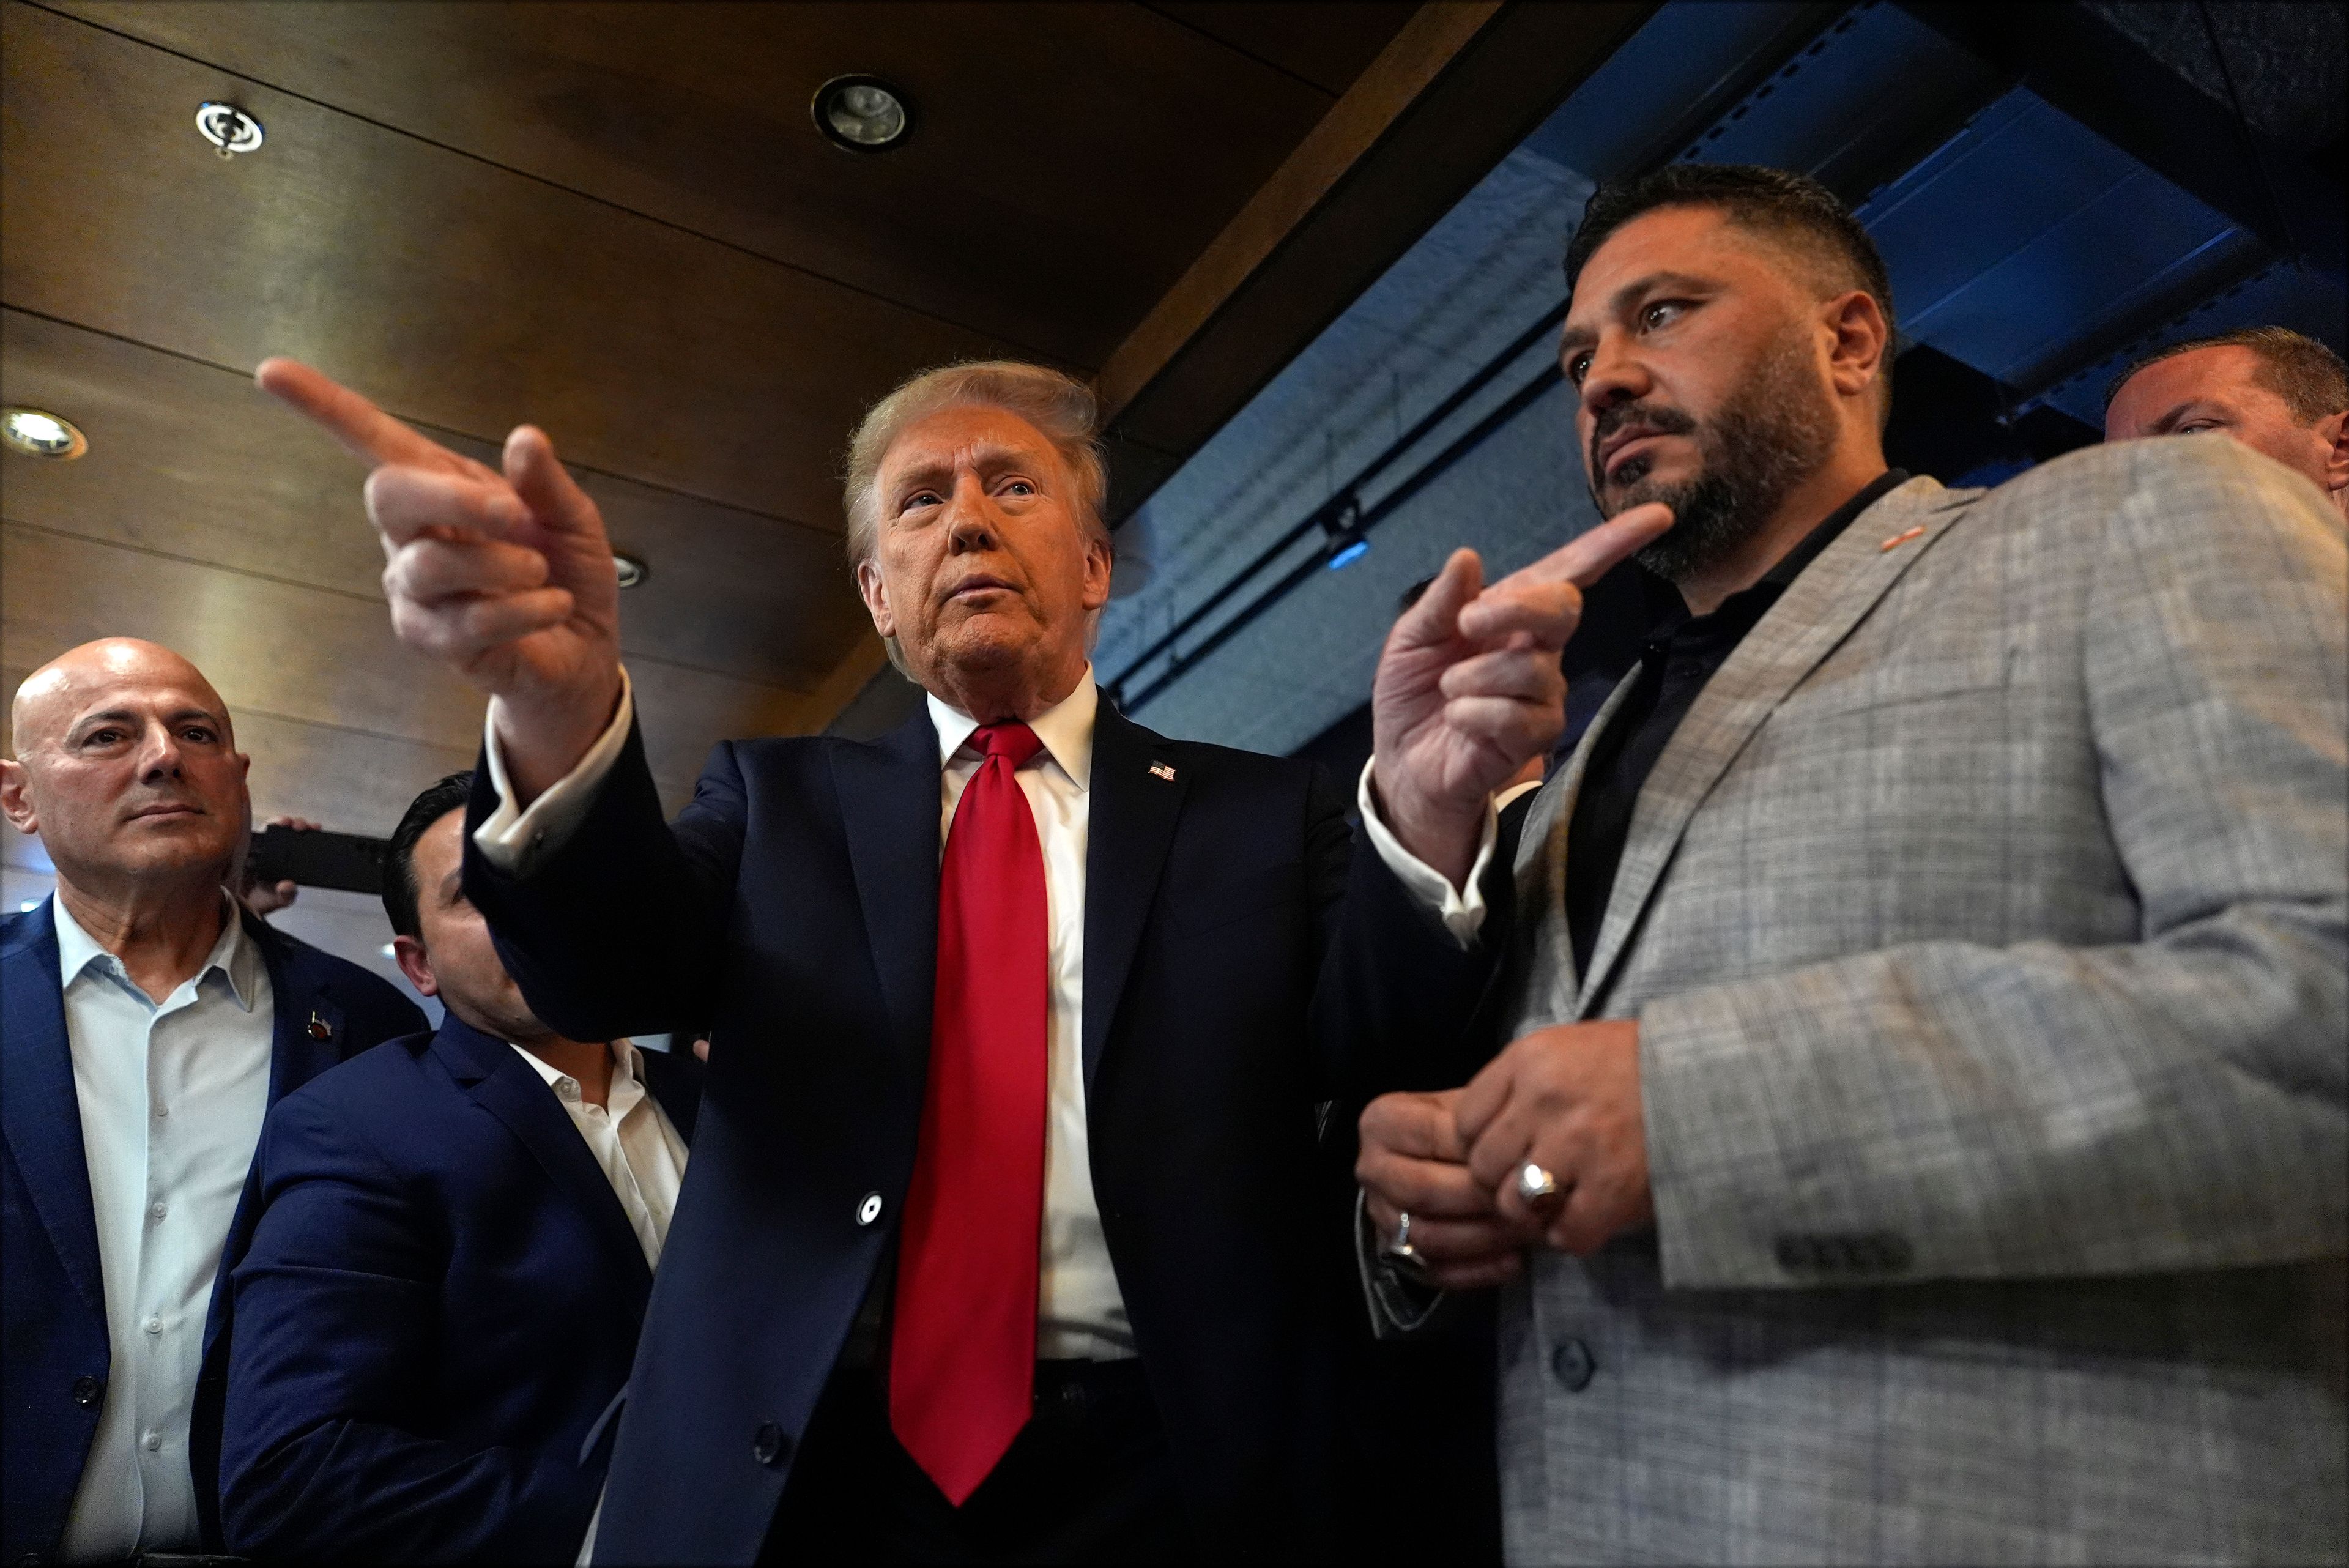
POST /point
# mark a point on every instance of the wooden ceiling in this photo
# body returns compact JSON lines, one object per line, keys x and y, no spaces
{"x":616,"y":220}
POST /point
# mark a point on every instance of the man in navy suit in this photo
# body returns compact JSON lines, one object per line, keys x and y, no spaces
{"x":1007,"y":1237}
{"x":457,"y":1237}
{"x":149,"y":1023}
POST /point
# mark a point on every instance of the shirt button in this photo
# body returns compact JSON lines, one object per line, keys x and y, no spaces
{"x":869,"y":1210}
{"x":159,"y":1209}
{"x":1573,"y":1365}
{"x":154,"y":1325}
{"x":163,"y":1110}
{"x":151,"y":1441}
{"x":768,"y":1445}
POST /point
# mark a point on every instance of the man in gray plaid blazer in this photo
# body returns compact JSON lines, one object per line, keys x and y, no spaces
{"x":1899,"y":1071}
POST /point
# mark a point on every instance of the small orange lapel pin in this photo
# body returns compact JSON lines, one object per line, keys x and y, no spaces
{"x":1899,"y":539}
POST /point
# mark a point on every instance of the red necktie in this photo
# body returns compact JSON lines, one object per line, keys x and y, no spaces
{"x":962,"y":1353}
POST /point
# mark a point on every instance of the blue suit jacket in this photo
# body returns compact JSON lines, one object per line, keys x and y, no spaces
{"x":795,"y":903}
{"x":52,"y":1299}
{"x":437,"y":1310}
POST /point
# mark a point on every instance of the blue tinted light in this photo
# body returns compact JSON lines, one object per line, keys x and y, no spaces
{"x":1348,"y":554}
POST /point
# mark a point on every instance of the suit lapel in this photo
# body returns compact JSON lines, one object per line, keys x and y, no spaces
{"x":1545,"y":952}
{"x":1817,"y":612}
{"x":306,"y":1034}
{"x":38,"y":1110}
{"x":1130,"y":827}
{"x":889,"y":805}
{"x":306,"y":1038}
{"x":510,"y":1089}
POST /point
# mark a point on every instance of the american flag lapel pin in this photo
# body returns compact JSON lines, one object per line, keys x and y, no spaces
{"x":1163,"y":770}
{"x":320,"y":1029}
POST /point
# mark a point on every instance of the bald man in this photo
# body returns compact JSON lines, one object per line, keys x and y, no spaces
{"x":2269,"y":388}
{"x":148,"y":1026}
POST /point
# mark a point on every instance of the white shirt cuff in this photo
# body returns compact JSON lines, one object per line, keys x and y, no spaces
{"x":511,"y":838}
{"x":1462,"y":914}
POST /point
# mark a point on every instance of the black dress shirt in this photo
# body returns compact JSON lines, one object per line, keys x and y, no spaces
{"x":1680,"y":654}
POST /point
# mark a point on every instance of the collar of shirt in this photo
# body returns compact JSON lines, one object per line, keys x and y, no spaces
{"x":236,"y":955}
{"x":1738,"y":612}
{"x":627,"y":1078}
{"x":1066,"y":728}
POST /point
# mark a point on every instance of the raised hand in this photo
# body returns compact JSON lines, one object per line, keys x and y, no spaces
{"x":508,"y":576}
{"x":1468,"y":687}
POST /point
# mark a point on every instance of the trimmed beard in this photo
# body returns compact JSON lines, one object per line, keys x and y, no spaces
{"x":1777,"y":431}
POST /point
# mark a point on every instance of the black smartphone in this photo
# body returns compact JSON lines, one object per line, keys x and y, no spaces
{"x":313,"y":857}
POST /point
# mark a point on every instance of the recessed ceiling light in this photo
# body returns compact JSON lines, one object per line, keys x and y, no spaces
{"x":40,"y":433}
{"x":228,"y":128}
{"x":864,"y":114}
{"x":633,"y":569}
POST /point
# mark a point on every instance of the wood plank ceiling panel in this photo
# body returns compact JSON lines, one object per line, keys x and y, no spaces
{"x":1325,"y":42}
{"x":190,"y":461}
{"x":322,"y":658}
{"x":1065,"y":163}
{"x":452,"y":291}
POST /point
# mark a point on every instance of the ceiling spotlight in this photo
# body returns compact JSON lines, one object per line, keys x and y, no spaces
{"x":228,"y":128}
{"x":36,"y":432}
{"x":632,"y":569}
{"x":864,"y":114}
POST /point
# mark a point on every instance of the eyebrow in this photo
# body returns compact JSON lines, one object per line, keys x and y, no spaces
{"x":126,"y":716}
{"x":452,"y":883}
{"x":2169,"y":421}
{"x":988,"y":455}
{"x":1575,"y":338}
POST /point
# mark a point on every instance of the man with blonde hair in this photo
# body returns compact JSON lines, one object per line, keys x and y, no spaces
{"x":1004,"y":1236}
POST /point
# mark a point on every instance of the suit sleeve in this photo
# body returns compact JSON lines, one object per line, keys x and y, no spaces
{"x":617,"y":929}
{"x":334,"y":1312}
{"x":1401,"y":1003}
{"x":2177,"y":1102}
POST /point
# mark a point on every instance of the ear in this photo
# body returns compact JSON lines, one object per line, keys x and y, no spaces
{"x":2333,"y":430}
{"x":875,"y":594}
{"x":16,"y":798}
{"x":1100,"y":561}
{"x":1859,"y":339}
{"x":415,"y":963}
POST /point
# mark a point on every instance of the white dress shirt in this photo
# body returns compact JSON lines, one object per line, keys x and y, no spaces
{"x":1081,"y":1314}
{"x":632,"y":1139}
{"x":171,"y":1098}
{"x":641,"y":1156}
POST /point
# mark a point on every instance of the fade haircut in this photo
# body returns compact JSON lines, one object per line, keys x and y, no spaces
{"x":399,"y":890}
{"x":1062,"y":408}
{"x":1798,"y":213}
{"x":2308,"y":376}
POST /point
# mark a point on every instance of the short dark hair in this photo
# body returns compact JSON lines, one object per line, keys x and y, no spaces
{"x":2308,"y":376}
{"x":1792,"y":208}
{"x":399,"y":890}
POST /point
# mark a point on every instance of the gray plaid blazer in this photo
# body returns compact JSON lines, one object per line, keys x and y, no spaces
{"x":1985,"y":921}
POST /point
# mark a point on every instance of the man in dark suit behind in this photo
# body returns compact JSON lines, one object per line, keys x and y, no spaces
{"x":149,"y":1023}
{"x":457,"y":1239}
{"x":1005,"y":1237}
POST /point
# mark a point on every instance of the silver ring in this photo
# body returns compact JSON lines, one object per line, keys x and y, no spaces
{"x":1536,"y":1184}
{"x":1402,"y":1257}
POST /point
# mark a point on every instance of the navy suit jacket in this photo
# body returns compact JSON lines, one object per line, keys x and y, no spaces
{"x":52,"y":1298}
{"x":438,"y":1307}
{"x":795,"y":902}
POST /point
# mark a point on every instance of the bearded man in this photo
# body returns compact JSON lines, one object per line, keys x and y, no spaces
{"x":1894,"y":1071}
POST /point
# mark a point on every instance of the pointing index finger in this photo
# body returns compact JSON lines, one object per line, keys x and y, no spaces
{"x":366,"y":431}
{"x":1587,"y":558}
